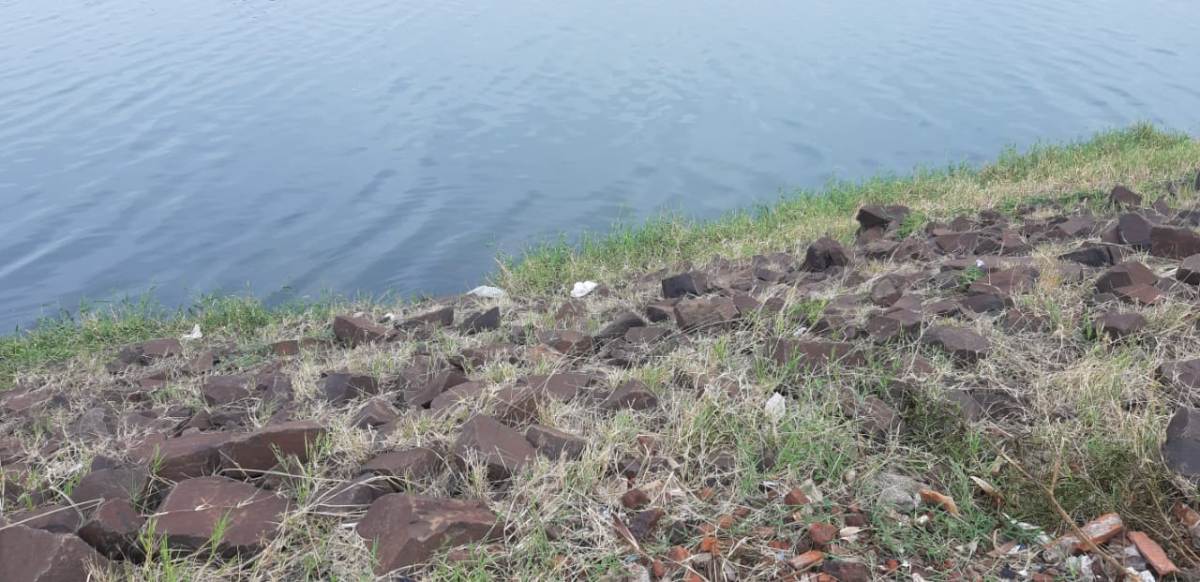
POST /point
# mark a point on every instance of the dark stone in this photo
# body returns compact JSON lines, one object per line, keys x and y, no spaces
{"x":698,"y":313}
{"x":980,"y":302}
{"x":222,"y":390}
{"x":422,"y":394}
{"x":1015,"y":280}
{"x":353,"y":495}
{"x":1173,"y":243}
{"x":60,"y":518}
{"x":1125,"y":274}
{"x":824,"y":254}
{"x":32,"y":555}
{"x":872,"y":216}
{"x":563,"y":386}
{"x":845,"y":571}
{"x":192,"y":455}
{"x":981,"y":404}
{"x":149,"y":352}
{"x":1117,"y":324}
{"x":962,"y":343}
{"x":414,"y":463}
{"x":555,"y":444}
{"x":1181,"y":450}
{"x":515,"y":405}
{"x":286,"y":348}
{"x":632,"y":394}
{"x":202,"y":363}
{"x":405,"y":530}
{"x":646,"y":335}
{"x":567,"y":342}
{"x":441,"y":317}
{"x":878,"y":420}
{"x":887,"y":290}
{"x":341,"y":387}
{"x":474,"y":358}
{"x":644,"y":523}
{"x":1139,"y":294}
{"x":481,"y":321}
{"x":1095,"y":255}
{"x":894,"y":323}
{"x":1183,"y":375}
{"x":355,"y":331}
{"x":660,"y":311}
{"x":261,"y":450}
{"x":375,"y":412}
{"x":1134,"y":230}
{"x":113,"y":530}
{"x":816,"y":354}
{"x":1019,"y":321}
{"x":501,"y":449}
{"x":691,"y":283}
{"x":466,"y":392}
{"x":1189,"y":270}
{"x":1123,"y":198}
{"x":195,"y":508}
{"x":117,"y":482}
{"x":1072,"y":227}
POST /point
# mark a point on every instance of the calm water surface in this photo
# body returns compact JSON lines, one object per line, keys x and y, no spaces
{"x":295,"y":146}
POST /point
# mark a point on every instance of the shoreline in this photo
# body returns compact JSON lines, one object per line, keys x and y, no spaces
{"x":971,"y":373}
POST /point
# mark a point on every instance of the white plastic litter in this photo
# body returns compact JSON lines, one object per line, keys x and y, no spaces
{"x":979,"y":263}
{"x":582,"y":288}
{"x":487,"y":292}
{"x":194,"y":335}
{"x":776,"y":407}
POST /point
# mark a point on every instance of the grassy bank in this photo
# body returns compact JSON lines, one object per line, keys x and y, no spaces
{"x":1142,"y":156}
{"x":706,"y":453}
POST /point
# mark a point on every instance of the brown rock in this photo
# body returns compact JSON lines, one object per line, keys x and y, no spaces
{"x":414,"y":463}
{"x":341,"y":387}
{"x":555,"y":444}
{"x":646,"y":335}
{"x":175,"y":459}
{"x":60,"y":518}
{"x":286,"y":348}
{"x":635,"y":499}
{"x":705,"y":312}
{"x":33,"y":555}
{"x":481,"y":321}
{"x":982,"y":302}
{"x":1181,"y":374}
{"x":1117,"y":325}
{"x":222,"y":390}
{"x":961,"y":343}
{"x":632,"y":394}
{"x":795,"y":498}
{"x":1174,"y":242}
{"x":824,"y":254}
{"x":113,"y":530}
{"x":406,"y":530}
{"x":1126,"y":274}
{"x":564,"y":386}
{"x":1189,"y":270}
{"x":822,"y":534}
{"x":1139,"y":294}
{"x":375,"y":412}
{"x":691,"y":283}
{"x":422,"y":393}
{"x":845,"y":571}
{"x":119,"y":482}
{"x":620,"y":325}
{"x":1122,"y":197}
{"x":202,"y":363}
{"x":873,"y":216}
{"x":1154,"y":554}
{"x":571,"y":343}
{"x":660,"y":311}
{"x":262,"y":450}
{"x":644,"y":523}
{"x":441,"y":317}
{"x":887,"y":290}
{"x":353,"y":495}
{"x":195,"y":508}
{"x":1095,"y":255}
{"x":355,"y":331}
{"x":1181,"y":450}
{"x":501,"y":449}
{"x":815,"y":354}
{"x":893,"y":324}
{"x":149,"y":352}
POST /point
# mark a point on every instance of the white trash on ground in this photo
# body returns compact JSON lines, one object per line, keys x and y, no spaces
{"x":487,"y":292}
{"x":582,"y":288}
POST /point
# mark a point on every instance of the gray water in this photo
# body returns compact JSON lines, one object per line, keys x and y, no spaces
{"x":294,"y":146}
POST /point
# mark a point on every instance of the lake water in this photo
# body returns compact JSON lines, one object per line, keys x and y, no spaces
{"x":295,"y":146}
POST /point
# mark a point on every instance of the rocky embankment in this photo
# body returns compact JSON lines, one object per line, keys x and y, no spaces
{"x":207,"y":454}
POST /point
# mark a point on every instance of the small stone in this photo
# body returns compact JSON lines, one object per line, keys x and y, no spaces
{"x":414,"y":463}
{"x":692,"y":283}
{"x":420,"y":394}
{"x":247,"y":516}
{"x":822,"y":534}
{"x":261,"y":450}
{"x":1189,"y":270}
{"x":405,"y":530}
{"x":118,"y":482}
{"x":660,"y":311}
{"x":1123,"y":197}
{"x":1134,"y":230}
{"x":1117,"y":325}
{"x":635,"y":499}
{"x":113,"y":530}
{"x":796,"y":498}
{"x":962,"y":343}
{"x":886,"y":291}
{"x":633,"y":394}
{"x":899,"y":491}
{"x":824,"y":254}
{"x":555,"y":444}
{"x":377,"y":411}
{"x":341,"y":387}
{"x":566,"y":342}
{"x":1174,"y":242}
{"x":481,"y":321}
{"x":1154,"y":554}
{"x":845,"y":571}
{"x":563,"y":386}
{"x":190,"y":455}
{"x":644,"y":523}
{"x":1095,"y":255}
{"x":646,"y":335}
{"x":355,"y":331}
{"x":816,"y":354}
{"x":1182,"y":447}
{"x":1125,"y":274}
{"x":33,"y":555}
{"x":501,"y":449}
{"x":222,"y":390}
{"x":1139,"y":294}
{"x":709,"y":312}
{"x":872,"y":216}
{"x":1180,"y":374}
{"x":441,"y":317}
{"x":620,"y":325}
{"x":286,"y":348}
{"x":149,"y":352}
